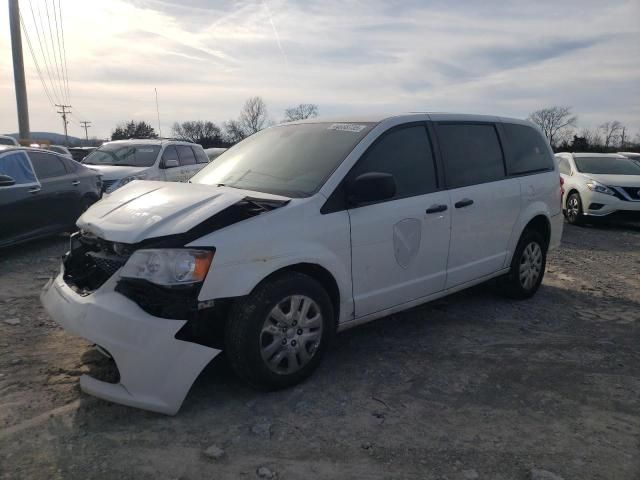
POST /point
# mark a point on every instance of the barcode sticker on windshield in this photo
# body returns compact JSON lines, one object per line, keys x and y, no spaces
{"x":346,"y":127}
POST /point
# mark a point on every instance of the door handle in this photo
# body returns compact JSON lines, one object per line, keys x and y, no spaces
{"x":465,"y":202}
{"x":34,"y":190}
{"x":76,"y":183}
{"x":436,"y":208}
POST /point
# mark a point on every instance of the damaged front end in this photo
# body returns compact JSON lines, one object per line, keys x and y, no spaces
{"x":159,"y":335}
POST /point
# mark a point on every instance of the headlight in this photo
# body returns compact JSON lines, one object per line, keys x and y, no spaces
{"x":598,"y":187}
{"x":123,"y":181}
{"x":168,"y":266}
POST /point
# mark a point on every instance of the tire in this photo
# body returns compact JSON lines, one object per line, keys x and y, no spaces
{"x":530,"y":252}
{"x":574,"y":212}
{"x":264,"y":343}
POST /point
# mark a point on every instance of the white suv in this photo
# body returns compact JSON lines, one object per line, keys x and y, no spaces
{"x":599,"y":185}
{"x":122,"y":161}
{"x":297,"y":232}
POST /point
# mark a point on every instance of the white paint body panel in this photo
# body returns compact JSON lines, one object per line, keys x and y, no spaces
{"x":384,"y":258}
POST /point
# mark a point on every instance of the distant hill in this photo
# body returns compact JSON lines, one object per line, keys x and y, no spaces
{"x":54,"y":138}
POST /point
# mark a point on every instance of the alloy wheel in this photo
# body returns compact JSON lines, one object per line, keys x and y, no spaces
{"x":291,"y":334}
{"x":530,"y":265}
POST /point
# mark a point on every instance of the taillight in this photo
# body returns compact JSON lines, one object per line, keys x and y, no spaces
{"x":561,"y":188}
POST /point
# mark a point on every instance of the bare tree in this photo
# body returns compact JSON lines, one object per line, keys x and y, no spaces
{"x":611,"y":132}
{"x":592,"y":136}
{"x":205,"y":133}
{"x":233,"y":131}
{"x":623,"y":138}
{"x":554,"y":121}
{"x":302,"y":111}
{"x":254,"y":116}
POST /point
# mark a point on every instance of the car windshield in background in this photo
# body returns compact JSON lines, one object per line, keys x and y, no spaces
{"x":291,"y":160}
{"x":607,"y":166}
{"x":123,"y":155}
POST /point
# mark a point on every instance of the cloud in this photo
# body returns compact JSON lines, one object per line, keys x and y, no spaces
{"x":207,"y":56}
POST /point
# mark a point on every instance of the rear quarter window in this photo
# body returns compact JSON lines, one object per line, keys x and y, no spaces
{"x":528,"y":150}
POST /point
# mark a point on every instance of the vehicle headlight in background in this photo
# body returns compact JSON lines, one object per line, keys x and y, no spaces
{"x":123,"y":181}
{"x":598,"y":187}
{"x":165,"y":266}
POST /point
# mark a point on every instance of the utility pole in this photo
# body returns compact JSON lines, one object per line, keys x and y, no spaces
{"x":18,"y":69}
{"x":64,"y":121}
{"x":86,"y":125}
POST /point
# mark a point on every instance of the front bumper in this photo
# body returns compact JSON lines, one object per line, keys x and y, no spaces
{"x":606,"y":205}
{"x":156,"y":369}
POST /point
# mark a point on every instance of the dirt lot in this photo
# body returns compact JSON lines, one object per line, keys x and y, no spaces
{"x":472,"y":386}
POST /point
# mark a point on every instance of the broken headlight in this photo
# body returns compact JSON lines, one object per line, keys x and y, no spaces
{"x":165,"y":266}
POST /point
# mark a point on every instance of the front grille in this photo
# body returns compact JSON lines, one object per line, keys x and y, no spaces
{"x":90,"y":263}
{"x":633,"y":192}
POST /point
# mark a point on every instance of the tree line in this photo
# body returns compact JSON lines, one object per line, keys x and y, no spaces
{"x":253,"y":117}
{"x":560,"y":126}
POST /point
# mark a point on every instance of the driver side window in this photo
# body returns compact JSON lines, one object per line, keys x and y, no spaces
{"x":406,"y":154}
{"x":17,"y":166}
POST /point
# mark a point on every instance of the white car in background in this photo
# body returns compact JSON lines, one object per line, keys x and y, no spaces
{"x":214,"y":153}
{"x":123,"y":161}
{"x":599,"y":185}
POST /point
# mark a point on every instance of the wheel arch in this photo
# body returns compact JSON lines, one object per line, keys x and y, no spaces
{"x":540,"y":223}
{"x":320,"y":274}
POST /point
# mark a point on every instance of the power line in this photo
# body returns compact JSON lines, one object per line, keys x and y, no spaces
{"x":64,"y":48}
{"x":55,"y":57}
{"x":65,"y":84}
{"x":35,"y":61}
{"x":45,"y":55}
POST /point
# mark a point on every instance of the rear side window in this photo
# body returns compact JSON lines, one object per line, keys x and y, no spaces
{"x":186,"y":155}
{"x":16,"y":165}
{"x":170,"y":153}
{"x":201,"y":157}
{"x":471,"y":153}
{"x":406,"y":154}
{"x":47,"y":165}
{"x":529,"y":152}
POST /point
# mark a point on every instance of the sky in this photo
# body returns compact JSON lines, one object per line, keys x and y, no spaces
{"x":206,"y":57}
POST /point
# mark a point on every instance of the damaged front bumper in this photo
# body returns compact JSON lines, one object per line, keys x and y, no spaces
{"x":156,"y":369}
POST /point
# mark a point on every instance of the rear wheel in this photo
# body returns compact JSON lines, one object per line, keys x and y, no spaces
{"x":574,"y":209}
{"x":276,"y":337}
{"x":527,"y":266}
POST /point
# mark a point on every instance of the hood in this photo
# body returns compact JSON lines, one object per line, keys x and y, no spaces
{"x":144,"y":209}
{"x":615,"y":180}
{"x":115,"y":172}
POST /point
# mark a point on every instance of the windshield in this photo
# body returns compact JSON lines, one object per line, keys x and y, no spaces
{"x":129,"y":155}
{"x":607,"y":166}
{"x":290,"y":160}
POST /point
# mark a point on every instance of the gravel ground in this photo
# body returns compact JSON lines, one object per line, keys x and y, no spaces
{"x":471,"y":386}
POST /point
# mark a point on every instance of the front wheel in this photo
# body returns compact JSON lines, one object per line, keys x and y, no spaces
{"x":574,"y":209}
{"x":277,"y":335}
{"x":527,"y":266}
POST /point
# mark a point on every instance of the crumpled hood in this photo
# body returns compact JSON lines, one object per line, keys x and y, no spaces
{"x":146,"y":209}
{"x":115,"y":172}
{"x":616,"y":180}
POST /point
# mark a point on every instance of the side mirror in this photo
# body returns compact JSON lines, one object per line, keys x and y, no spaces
{"x":170,"y":164}
{"x":371,"y":187}
{"x":6,"y":181}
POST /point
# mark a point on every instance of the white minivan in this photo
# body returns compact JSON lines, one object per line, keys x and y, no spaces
{"x":122,"y":161}
{"x":299,"y":231}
